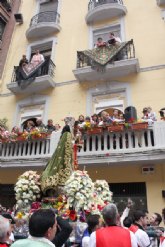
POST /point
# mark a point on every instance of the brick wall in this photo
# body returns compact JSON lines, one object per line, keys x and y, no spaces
{"x":8,"y":34}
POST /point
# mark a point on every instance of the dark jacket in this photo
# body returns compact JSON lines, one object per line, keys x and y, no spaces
{"x":63,"y":232}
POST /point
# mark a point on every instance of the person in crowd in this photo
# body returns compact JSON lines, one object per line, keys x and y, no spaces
{"x":50,"y":126}
{"x":23,"y":61}
{"x":95,"y":119}
{"x":39,"y":123}
{"x":112,"y":234}
{"x":16,"y":130}
{"x":126,"y":211}
{"x":100,"y":43}
{"x":148,"y":115}
{"x":81,"y":120}
{"x":57,"y":127}
{"x":94,"y":222}
{"x":162,"y":113}
{"x":106,"y":119}
{"x":30,"y":125}
{"x":20,"y":229}
{"x":64,"y":230}
{"x":5,"y":232}
{"x":12,"y":223}
{"x":140,"y":221}
{"x":113,"y":40}
{"x":42,"y":229}
{"x":162,"y":238}
{"x":37,"y":59}
{"x":151,"y":114}
{"x":116,"y":116}
{"x":153,"y":230}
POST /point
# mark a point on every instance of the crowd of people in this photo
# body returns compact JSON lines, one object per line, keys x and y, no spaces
{"x":44,"y":228}
{"x":117,"y":116}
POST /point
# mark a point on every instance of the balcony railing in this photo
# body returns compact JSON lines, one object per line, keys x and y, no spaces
{"x":39,"y":148}
{"x":127,"y":52}
{"x":48,"y":16}
{"x":95,"y":3}
{"x":132,"y":145}
{"x":6,"y":4}
{"x":48,"y":68}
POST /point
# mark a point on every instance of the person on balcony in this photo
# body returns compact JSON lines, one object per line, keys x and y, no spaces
{"x":29,"y":126}
{"x":100,"y":43}
{"x":37,"y":59}
{"x":148,"y":115}
{"x":50,"y":126}
{"x":23,"y":61}
{"x":116,"y":116}
{"x":106,"y":119}
{"x":39,"y":123}
{"x":113,"y":40}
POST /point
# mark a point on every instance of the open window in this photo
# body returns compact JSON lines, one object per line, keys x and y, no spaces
{"x":105,"y":31}
{"x":44,"y":48}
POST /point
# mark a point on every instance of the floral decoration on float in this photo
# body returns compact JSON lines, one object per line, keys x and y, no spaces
{"x":27,"y":189}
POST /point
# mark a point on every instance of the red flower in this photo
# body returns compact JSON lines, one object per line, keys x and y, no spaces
{"x":72,"y":215}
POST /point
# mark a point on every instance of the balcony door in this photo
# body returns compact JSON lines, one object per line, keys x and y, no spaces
{"x":135,"y":191}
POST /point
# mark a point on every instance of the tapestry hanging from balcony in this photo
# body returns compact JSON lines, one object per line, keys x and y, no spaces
{"x":101,"y":56}
{"x":26,"y":74}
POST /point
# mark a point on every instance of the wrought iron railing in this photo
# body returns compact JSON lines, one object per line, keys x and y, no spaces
{"x":48,"y":68}
{"x":6,"y":4}
{"x":127,"y":52}
{"x":47,"y":16}
{"x":94,"y":3}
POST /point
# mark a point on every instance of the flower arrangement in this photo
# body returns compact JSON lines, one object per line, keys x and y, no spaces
{"x":27,"y":188}
{"x":101,"y":190}
{"x":79,"y":191}
{"x":36,"y":133}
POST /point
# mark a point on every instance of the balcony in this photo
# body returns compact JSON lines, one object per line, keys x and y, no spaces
{"x":43,"y":25}
{"x":42,"y":81}
{"x":125,"y":147}
{"x":123,"y":63}
{"x":99,"y":10}
{"x":28,"y":153}
{"x":6,"y":4}
{"x":161,"y":2}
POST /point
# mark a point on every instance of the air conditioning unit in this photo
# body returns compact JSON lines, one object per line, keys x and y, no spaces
{"x":18,"y":18}
{"x":148,"y":169}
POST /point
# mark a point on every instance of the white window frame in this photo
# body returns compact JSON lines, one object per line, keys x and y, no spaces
{"x":119,"y":22}
{"x":107,"y":88}
{"x":38,"y":7}
{"x":33,"y":100}
{"x":54,"y":42}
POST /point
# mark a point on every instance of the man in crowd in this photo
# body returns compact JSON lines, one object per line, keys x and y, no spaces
{"x":42,"y":229}
{"x":112,"y":235}
{"x":50,"y":127}
{"x":140,"y":222}
{"x":5,"y":231}
{"x":154,"y":231}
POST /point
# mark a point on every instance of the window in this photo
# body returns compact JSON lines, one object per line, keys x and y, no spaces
{"x":48,"y":5}
{"x":44,"y":48}
{"x":135,"y":191}
{"x":104,"y":32}
{"x":2,"y":27}
{"x":110,"y":100}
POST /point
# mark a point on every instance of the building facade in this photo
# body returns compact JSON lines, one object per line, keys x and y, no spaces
{"x":68,"y":85}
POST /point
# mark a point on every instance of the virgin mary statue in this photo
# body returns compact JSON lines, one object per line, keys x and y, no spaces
{"x":60,"y":166}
